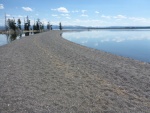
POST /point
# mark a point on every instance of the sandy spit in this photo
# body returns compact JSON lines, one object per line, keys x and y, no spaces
{"x":45,"y":73}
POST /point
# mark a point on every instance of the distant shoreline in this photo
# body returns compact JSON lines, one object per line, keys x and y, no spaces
{"x":87,"y":28}
{"x":121,"y":27}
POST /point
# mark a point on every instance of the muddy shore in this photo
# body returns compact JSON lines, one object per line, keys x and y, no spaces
{"x":44,"y":73}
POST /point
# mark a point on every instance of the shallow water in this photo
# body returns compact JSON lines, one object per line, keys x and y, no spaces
{"x":134,"y":44}
{"x":8,"y":38}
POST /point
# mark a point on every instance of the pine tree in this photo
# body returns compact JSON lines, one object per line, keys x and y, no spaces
{"x":11,"y":24}
{"x":48,"y":26}
{"x":19,"y":24}
{"x":60,"y":26}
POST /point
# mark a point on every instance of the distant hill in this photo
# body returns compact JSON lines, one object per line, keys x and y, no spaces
{"x":69,"y":27}
{"x":121,"y":27}
{"x":55,"y":27}
{"x":109,"y":27}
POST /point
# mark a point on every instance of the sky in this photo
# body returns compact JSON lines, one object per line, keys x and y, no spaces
{"x":96,"y":13}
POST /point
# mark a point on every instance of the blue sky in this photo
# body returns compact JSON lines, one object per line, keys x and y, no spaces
{"x":79,"y":12}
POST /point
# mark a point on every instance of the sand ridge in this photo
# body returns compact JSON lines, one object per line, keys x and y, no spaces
{"x":45,"y":73}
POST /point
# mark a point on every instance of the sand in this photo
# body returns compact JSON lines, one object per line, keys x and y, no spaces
{"x":45,"y":73}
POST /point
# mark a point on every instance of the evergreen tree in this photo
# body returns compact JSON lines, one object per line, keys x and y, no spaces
{"x":27,"y":24}
{"x":37,"y":26}
{"x":19,"y":24}
{"x":48,"y":26}
{"x":60,"y":26}
{"x":11,"y":24}
{"x":34,"y":27}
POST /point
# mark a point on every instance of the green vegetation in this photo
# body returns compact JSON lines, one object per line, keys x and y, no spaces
{"x":19,"y":24}
{"x":11,"y":24}
{"x":27,"y":24}
{"x":38,"y":26}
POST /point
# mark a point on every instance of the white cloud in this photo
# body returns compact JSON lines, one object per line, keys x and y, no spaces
{"x":76,"y":11}
{"x":44,"y":21}
{"x":97,"y":12}
{"x":107,"y":20}
{"x":27,"y":8}
{"x":104,"y":20}
{"x":84,"y":15}
{"x":61,"y":9}
{"x":8,"y":15}
{"x":1,"y":6}
{"x":120,"y":17}
{"x":77,"y":20}
{"x":108,"y":17}
{"x":68,"y":17}
{"x":65,"y":15}
{"x":83,"y":11}
{"x":20,"y":16}
{"x":54,"y":15}
{"x":138,"y":19}
{"x":85,"y":22}
{"x":115,"y":17}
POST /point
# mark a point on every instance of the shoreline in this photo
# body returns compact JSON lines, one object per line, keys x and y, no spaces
{"x":140,"y":60}
{"x":20,"y":31}
{"x":47,"y":73}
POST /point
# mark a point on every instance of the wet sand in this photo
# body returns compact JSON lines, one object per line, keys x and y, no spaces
{"x":45,"y":73}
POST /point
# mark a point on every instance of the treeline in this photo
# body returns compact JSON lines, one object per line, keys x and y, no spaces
{"x":38,"y":25}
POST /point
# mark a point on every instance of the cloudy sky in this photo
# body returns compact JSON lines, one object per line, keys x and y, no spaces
{"x":79,"y":12}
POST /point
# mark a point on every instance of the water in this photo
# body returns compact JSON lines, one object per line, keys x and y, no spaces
{"x":8,"y":38}
{"x":134,"y":44}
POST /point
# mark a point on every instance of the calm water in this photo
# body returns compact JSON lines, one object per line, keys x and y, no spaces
{"x":128,"y":43}
{"x":8,"y":38}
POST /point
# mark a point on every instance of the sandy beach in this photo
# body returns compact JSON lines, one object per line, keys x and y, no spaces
{"x":44,"y":73}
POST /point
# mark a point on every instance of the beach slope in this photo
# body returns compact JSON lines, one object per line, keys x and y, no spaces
{"x":45,"y":73}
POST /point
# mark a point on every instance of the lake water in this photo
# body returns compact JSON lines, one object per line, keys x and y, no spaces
{"x":8,"y":38}
{"x":134,"y":44}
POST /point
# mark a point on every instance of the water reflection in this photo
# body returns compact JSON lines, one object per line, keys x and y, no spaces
{"x":8,"y":38}
{"x":109,"y":36}
{"x":27,"y":34}
{"x":129,"y":43}
{"x":12,"y":37}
